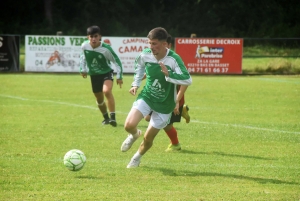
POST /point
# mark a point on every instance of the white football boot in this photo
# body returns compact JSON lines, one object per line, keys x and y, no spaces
{"x":128,"y":142}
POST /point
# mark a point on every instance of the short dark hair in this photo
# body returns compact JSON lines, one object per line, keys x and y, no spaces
{"x":169,"y":39}
{"x":93,"y":30}
{"x":158,"y":33}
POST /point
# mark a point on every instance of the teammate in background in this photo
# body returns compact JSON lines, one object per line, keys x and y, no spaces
{"x":198,"y":51}
{"x":183,"y":111}
{"x":164,"y":70}
{"x":95,"y":60}
{"x":193,"y":35}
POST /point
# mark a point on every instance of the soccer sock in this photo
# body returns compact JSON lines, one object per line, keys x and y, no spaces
{"x":136,"y":135}
{"x":105,"y":116}
{"x":137,"y":155}
{"x":172,"y":133}
{"x":113,"y":115}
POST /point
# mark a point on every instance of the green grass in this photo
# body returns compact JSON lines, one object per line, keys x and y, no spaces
{"x":242,"y":142}
{"x":269,"y":66}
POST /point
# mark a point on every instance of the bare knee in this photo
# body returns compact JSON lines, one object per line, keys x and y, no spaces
{"x":107,"y":93}
{"x":129,"y":127}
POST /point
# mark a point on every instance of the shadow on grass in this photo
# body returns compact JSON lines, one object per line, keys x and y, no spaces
{"x":224,"y":154}
{"x":176,"y":173}
{"x":88,"y":177}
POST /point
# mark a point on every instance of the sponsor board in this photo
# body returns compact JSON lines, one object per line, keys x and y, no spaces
{"x":211,"y":55}
{"x":62,"y":53}
{"x":9,"y":53}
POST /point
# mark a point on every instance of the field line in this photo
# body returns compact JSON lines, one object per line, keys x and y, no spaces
{"x":14,"y":97}
{"x":195,"y":121}
{"x":247,"y":127}
{"x":280,"y":80}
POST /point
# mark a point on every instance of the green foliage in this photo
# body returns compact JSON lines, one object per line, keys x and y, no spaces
{"x":261,"y":59}
{"x":206,"y":18}
{"x":242,"y":142}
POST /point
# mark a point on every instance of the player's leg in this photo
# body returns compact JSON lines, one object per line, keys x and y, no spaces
{"x":185,"y":113}
{"x":132,"y":120}
{"x":139,"y":109}
{"x":147,"y":118}
{"x":97,"y":85}
{"x":102,"y":106}
{"x":131,"y":123}
{"x":107,"y":91}
{"x":157,"y":122}
{"x":172,"y":132}
{"x":149,"y":136}
{"x":146,"y":144}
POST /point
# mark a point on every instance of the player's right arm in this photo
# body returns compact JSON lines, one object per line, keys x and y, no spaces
{"x":139,"y":71}
{"x":82,"y":64}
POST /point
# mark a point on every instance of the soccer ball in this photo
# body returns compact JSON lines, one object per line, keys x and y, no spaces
{"x":74,"y":160}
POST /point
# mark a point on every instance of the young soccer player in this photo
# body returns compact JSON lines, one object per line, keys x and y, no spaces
{"x":164,"y":70}
{"x":95,"y":60}
{"x":183,"y":111}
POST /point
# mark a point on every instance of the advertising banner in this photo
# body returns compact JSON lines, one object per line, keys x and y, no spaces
{"x":9,"y":53}
{"x":62,"y":53}
{"x":127,"y":48}
{"x":211,"y":55}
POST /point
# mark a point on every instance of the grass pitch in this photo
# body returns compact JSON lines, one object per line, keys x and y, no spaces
{"x":242,"y":142}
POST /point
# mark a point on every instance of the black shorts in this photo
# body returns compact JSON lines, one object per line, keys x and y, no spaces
{"x":174,"y":118}
{"x":98,"y":80}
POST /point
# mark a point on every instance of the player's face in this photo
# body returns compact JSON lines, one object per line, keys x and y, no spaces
{"x":94,"y":40}
{"x":157,"y":47}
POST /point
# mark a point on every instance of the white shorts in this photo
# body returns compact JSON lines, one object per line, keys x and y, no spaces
{"x":157,"y":120}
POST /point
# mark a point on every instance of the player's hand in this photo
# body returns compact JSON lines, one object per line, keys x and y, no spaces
{"x":119,"y":82}
{"x":164,"y":69}
{"x":84,"y":75}
{"x":133,"y":90}
{"x":176,"y":110}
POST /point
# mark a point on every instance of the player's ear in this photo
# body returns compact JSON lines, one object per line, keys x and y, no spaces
{"x":165,"y":43}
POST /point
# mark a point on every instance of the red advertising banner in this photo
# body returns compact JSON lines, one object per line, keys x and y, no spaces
{"x":211,"y":55}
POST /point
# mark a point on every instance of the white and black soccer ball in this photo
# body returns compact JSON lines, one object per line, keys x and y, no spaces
{"x":74,"y":160}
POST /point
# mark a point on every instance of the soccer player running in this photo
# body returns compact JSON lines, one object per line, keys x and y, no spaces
{"x":183,"y":111}
{"x":95,"y":60}
{"x":164,"y":70}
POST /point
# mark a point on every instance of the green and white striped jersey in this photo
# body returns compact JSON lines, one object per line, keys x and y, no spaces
{"x":160,"y":91}
{"x":99,"y":60}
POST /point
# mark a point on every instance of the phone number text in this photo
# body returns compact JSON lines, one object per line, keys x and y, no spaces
{"x":208,"y":70}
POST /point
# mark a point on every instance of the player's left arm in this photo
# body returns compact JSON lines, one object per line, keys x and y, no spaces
{"x":176,"y":72}
{"x":179,"y":96}
{"x":181,"y":92}
{"x":113,"y":57}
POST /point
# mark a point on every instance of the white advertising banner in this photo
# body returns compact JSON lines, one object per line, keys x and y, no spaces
{"x":62,"y":53}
